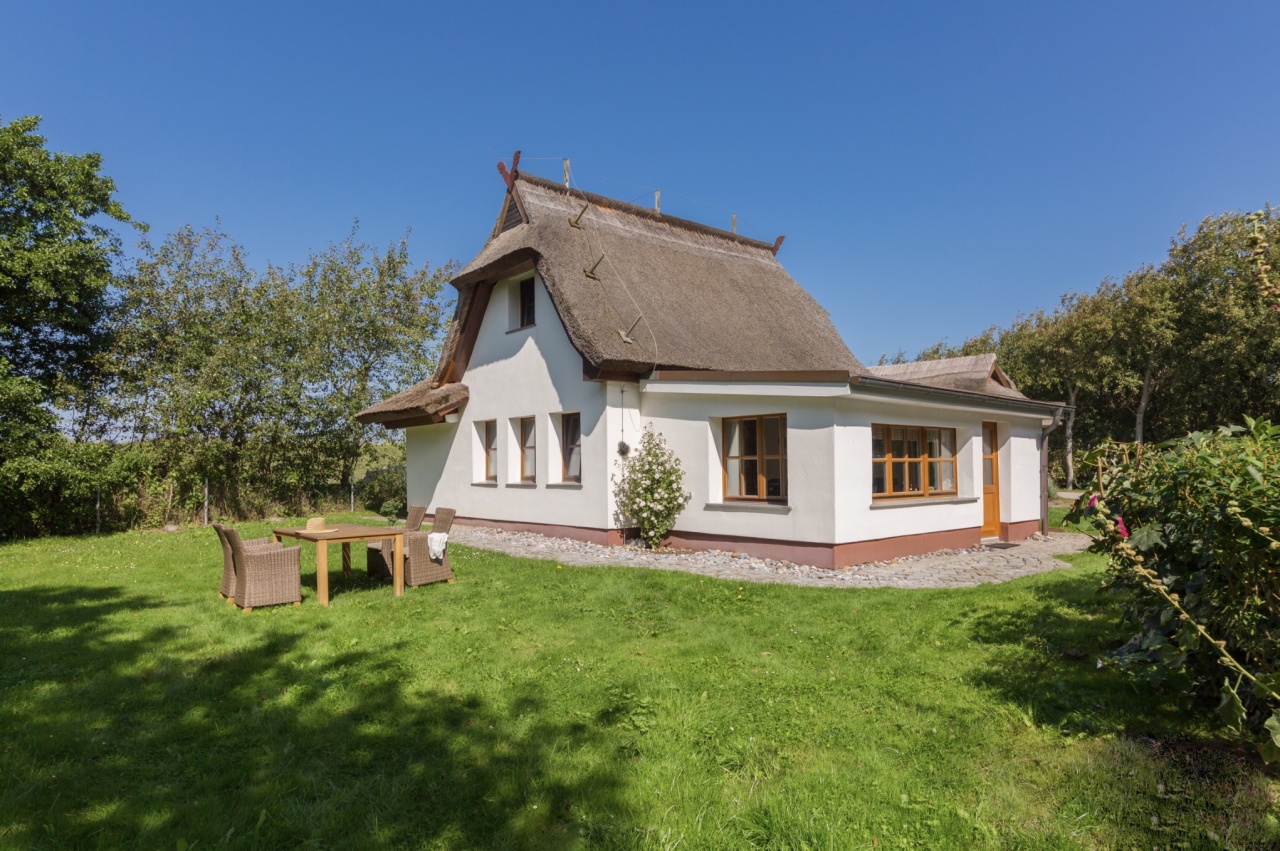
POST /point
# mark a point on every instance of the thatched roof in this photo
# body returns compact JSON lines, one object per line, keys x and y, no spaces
{"x":971,"y":374}
{"x":420,"y":404}
{"x":704,"y":298}
{"x":662,"y":293}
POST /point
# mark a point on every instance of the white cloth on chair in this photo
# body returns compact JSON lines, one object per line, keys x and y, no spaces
{"x":436,"y":542}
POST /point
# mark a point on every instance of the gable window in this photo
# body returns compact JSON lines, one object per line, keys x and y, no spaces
{"x":912,"y":461}
{"x":755,"y":458}
{"x":490,"y":433}
{"x":528,"y":449}
{"x":571,"y":446}
{"x":525,"y":316}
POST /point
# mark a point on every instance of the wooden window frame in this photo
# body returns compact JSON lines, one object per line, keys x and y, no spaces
{"x":759,"y":457}
{"x":528,"y":476}
{"x":489,"y":443}
{"x":528,"y":300}
{"x":566,"y":448}
{"x":923,"y":460}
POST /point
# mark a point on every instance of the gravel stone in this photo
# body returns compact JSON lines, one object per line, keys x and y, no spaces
{"x":953,"y":568}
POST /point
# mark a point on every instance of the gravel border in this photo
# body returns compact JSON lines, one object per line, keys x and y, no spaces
{"x":942,"y":569}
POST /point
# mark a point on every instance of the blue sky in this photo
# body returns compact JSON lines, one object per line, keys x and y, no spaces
{"x":936,"y":167}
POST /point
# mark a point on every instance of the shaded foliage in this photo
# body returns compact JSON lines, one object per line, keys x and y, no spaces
{"x":1191,"y":528}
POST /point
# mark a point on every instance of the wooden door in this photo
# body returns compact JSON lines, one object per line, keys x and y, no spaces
{"x":990,"y":482}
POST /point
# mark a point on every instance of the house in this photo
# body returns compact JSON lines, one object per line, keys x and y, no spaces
{"x":583,"y":320}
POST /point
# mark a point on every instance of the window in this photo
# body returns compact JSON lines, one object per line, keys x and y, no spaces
{"x":528,"y":449}
{"x":912,"y":461}
{"x":525,"y":315}
{"x":571,"y":446}
{"x":755,"y":458}
{"x":490,"y":437}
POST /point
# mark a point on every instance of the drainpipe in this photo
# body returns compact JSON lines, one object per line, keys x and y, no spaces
{"x":1044,"y":467}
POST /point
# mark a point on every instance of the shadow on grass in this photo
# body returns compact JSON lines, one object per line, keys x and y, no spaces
{"x":1045,"y":657}
{"x":1151,"y":771}
{"x":117,"y":735}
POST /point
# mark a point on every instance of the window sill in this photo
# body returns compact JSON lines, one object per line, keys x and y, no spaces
{"x":484,"y":484}
{"x":522,"y":328}
{"x":571,"y":486}
{"x":904,"y":502}
{"x":749,"y":507}
{"x":522,"y":484}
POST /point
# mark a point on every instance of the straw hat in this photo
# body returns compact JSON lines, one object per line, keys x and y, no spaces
{"x":316,"y":524}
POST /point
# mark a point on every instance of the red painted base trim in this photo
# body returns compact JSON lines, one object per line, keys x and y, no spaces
{"x":606,"y":537}
{"x":797,"y":552}
{"x":1019,"y":531}
{"x":882,"y":549}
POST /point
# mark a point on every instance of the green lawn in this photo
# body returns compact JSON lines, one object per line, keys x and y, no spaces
{"x":533,"y":706}
{"x":1058,"y":516}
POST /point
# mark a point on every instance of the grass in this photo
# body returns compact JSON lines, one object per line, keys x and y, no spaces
{"x":533,"y":706}
{"x":1058,"y":520}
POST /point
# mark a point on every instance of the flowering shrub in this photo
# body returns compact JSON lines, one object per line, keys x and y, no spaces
{"x":650,"y":488}
{"x":1191,"y":529}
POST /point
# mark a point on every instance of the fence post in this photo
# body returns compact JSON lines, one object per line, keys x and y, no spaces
{"x":97,"y":513}
{"x":206,"y":500}
{"x":353,"y":496}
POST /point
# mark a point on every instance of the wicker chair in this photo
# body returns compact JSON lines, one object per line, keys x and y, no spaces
{"x":380,"y":553}
{"x":265,"y":576}
{"x":228,"y":587}
{"x":419,"y":567}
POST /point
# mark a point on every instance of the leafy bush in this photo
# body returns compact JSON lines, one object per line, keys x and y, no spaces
{"x":1191,"y":528}
{"x":391,"y":509}
{"x":382,"y":484}
{"x":650,"y":488}
{"x":64,"y":488}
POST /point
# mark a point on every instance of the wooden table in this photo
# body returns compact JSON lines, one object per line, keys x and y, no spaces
{"x":346,"y":534}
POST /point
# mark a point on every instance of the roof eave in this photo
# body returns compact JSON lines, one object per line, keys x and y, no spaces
{"x":889,"y":386}
{"x":811,"y":376}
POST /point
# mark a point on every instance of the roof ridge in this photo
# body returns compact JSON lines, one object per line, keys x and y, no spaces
{"x":643,"y":212}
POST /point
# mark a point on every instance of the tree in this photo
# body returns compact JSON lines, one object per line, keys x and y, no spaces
{"x":1228,"y":334}
{"x":253,"y":379}
{"x":24,"y":422}
{"x":373,"y":325}
{"x":55,"y":259}
{"x":206,"y":359}
{"x":1147,"y":323}
{"x":981,"y":344}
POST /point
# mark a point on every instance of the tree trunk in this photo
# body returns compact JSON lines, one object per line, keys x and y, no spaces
{"x":1069,"y":434}
{"x":1147,"y":387}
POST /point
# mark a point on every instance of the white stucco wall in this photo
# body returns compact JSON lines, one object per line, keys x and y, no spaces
{"x":537,"y":372}
{"x":534,"y":372}
{"x":1022,"y":457}
{"x":859,"y":518}
{"x":692,"y":424}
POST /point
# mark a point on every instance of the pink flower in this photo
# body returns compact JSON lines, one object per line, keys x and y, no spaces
{"x":1124,"y":533}
{"x":1093,"y":503}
